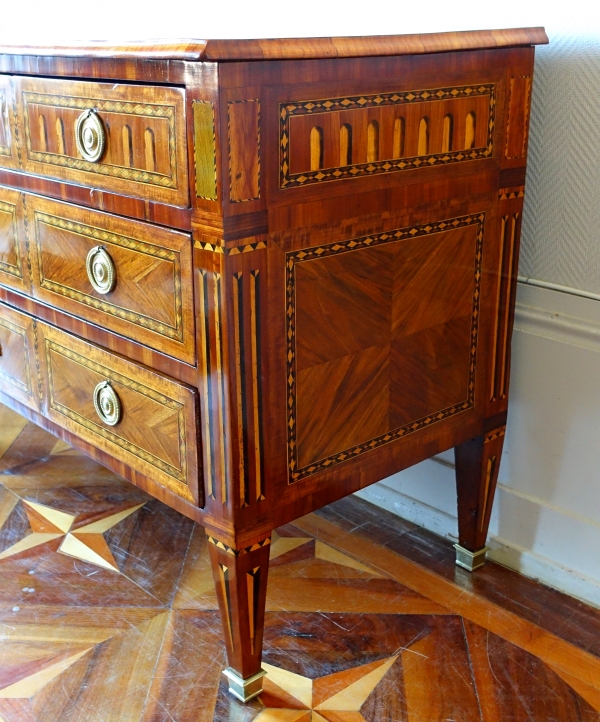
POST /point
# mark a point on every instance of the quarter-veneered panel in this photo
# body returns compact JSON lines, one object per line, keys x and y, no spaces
{"x":518,"y":116}
{"x":156,"y":428}
{"x":18,"y":370}
{"x":382,"y":338}
{"x":151,"y":301}
{"x":142,"y":129}
{"x":14,"y":267}
{"x":243,"y":124}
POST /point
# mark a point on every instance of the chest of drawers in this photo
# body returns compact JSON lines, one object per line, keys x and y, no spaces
{"x":253,"y":277}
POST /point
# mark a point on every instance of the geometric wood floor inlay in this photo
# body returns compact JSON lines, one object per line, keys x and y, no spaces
{"x":108,"y":613}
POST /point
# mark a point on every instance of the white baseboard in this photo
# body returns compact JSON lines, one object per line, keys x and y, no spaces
{"x":413,"y":510}
{"x":546,"y":519}
{"x":507,"y":553}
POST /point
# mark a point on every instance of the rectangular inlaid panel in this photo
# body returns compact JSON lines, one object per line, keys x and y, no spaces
{"x":243,"y":130}
{"x":144,"y":130}
{"x":8,"y":149}
{"x":382,"y":338}
{"x":156,"y":429}
{"x":351,"y":137}
{"x":205,"y":150}
{"x":18,"y":361}
{"x":152,"y":299}
{"x":14,"y":261}
{"x":518,"y":116}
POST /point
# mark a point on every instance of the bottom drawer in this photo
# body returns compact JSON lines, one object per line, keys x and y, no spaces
{"x":18,"y":370}
{"x":137,"y":416}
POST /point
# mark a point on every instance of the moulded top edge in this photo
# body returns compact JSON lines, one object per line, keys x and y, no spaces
{"x":290,"y":48}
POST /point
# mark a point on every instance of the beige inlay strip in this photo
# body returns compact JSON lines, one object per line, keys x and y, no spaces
{"x":355,"y":695}
{"x":28,"y":687}
{"x":562,"y":656}
{"x":60,"y":519}
{"x":11,"y":424}
{"x":102,"y":525}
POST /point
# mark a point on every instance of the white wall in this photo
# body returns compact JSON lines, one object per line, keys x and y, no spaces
{"x":49,"y":20}
{"x":547,"y":516}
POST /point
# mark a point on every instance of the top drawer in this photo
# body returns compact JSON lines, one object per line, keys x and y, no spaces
{"x":127,"y":139}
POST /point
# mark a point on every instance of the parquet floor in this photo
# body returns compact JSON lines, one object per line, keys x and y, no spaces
{"x":108,"y":614}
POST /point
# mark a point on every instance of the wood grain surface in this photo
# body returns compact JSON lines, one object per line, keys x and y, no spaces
{"x":272,"y":49}
{"x":152,"y":299}
{"x":8,"y":146}
{"x":18,"y":357}
{"x":15,"y":261}
{"x":145,"y":147}
{"x":316,"y":244}
{"x":101,"y":582}
{"x":157,"y":432}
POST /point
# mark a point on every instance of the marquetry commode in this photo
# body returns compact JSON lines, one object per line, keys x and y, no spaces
{"x":255,"y":276}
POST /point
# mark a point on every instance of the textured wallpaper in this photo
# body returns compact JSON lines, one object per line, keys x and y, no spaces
{"x":561,"y":222}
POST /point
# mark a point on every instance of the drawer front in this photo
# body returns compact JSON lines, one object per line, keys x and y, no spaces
{"x":143,"y":129}
{"x":18,"y":361}
{"x":14,"y":262}
{"x":8,"y":148}
{"x":151,"y":300}
{"x":156,"y":426}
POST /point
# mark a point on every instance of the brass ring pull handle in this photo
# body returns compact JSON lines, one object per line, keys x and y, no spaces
{"x":107,"y":403}
{"x":90,"y":135}
{"x":101,"y":270}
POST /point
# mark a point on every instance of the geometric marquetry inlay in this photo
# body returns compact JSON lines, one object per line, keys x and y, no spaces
{"x":506,"y":280}
{"x":149,"y":274}
{"x":159,"y":118}
{"x":213,"y":385}
{"x":364,"y":366}
{"x":364,"y":135}
{"x":205,"y":153}
{"x":289,"y":693}
{"x":519,"y":101}
{"x":82,"y":541}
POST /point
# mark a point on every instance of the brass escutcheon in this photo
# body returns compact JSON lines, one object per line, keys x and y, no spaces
{"x":101,"y":270}
{"x":90,"y":135}
{"x":107,"y":403}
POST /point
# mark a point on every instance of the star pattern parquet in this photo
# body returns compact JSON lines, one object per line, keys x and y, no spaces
{"x":108,"y":614}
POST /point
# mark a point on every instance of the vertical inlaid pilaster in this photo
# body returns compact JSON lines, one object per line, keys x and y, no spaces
{"x":246,"y":339}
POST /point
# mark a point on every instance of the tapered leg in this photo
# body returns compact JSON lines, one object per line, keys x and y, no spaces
{"x":477,"y":465}
{"x":241,"y":583}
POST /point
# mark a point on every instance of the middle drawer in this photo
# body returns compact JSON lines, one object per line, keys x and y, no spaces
{"x":127,"y":276}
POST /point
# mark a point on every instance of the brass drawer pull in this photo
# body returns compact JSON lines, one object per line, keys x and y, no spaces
{"x":101,"y":270}
{"x":90,"y":135}
{"x":107,"y":403}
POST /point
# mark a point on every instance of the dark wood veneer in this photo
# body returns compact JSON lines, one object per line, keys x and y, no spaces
{"x":348,"y":214}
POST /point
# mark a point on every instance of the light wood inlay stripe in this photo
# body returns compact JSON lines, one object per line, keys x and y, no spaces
{"x":498,"y":298}
{"x":489,"y":474}
{"x":509,"y":278}
{"x":206,"y":386}
{"x":256,"y":390}
{"x":253,"y":588}
{"x":238,"y":335}
{"x":556,"y":652}
{"x":220,"y":384}
{"x":205,"y":152}
{"x":224,"y":579}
